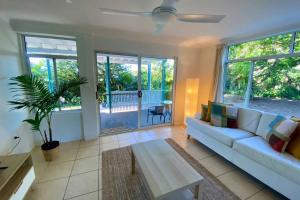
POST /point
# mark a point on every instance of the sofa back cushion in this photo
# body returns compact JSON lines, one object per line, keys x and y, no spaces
{"x":264,"y":124}
{"x":248,"y":119}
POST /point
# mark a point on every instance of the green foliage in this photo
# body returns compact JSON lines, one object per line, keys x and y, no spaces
{"x":237,"y":78}
{"x":122,"y":78}
{"x":297,"y":43}
{"x":273,"y":78}
{"x":66,"y":70}
{"x":32,"y":93}
{"x":277,"y":79}
{"x":279,"y":44}
{"x":125,"y":78}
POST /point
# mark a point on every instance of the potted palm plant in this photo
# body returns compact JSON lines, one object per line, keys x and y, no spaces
{"x":33,"y":94}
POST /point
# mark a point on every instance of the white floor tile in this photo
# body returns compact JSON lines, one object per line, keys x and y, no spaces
{"x":49,"y":190}
{"x":86,"y":165}
{"x":82,"y":184}
{"x":242,"y":184}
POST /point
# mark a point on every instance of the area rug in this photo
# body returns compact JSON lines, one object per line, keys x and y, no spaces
{"x":119,"y":184}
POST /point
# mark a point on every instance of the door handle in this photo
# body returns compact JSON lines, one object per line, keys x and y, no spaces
{"x":140,"y":94}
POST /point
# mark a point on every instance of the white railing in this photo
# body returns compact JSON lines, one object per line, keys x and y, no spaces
{"x":128,"y":100}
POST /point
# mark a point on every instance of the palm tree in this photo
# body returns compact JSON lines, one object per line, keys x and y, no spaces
{"x":33,"y":94}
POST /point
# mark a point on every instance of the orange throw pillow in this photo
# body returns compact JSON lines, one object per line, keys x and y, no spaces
{"x":293,"y":147}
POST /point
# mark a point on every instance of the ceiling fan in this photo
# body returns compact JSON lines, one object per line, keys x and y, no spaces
{"x":166,"y":13}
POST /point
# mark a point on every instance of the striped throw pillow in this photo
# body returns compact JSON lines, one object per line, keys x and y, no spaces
{"x":218,"y":115}
{"x":280,"y":133}
{"x":223,"y":115}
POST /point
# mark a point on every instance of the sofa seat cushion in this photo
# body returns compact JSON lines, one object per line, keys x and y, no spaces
{"x":257,"y":149}
{"x":224,"y":135}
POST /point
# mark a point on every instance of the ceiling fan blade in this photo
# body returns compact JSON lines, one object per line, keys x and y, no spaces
{"x":200,"y":18}
{"x":168,"y":3}
{"x":108,"y":11}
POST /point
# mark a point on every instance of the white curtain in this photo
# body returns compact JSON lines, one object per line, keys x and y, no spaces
{"x":217,"y":85}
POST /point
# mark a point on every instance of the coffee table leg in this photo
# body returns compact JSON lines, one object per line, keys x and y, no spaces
{"x":132,"y":163}
{"x":196,"y":195}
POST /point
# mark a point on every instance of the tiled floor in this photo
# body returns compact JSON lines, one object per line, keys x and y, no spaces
{"x":76,"y":173}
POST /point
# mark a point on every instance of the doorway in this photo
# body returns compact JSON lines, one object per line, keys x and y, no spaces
{"x":134,"y":92}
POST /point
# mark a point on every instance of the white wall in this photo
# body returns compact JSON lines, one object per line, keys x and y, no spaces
{"x":190,"y":64}
{"x":11,"y":121}
{"x":66,"y":126}
{"x":189,"y":67}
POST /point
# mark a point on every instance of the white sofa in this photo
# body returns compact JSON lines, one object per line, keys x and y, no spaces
{"x":246,"y":148}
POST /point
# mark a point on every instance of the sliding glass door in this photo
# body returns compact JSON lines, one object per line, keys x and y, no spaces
{"x":134,"y":92}
{"x":157,"y":78}
{"x":117,"y":92}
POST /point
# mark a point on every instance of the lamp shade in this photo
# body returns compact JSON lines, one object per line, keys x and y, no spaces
{"x":191,"y":98}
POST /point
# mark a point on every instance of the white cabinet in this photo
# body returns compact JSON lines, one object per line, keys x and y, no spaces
{"x":24,"y":186}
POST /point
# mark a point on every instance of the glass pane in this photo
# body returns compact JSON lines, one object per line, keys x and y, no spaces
{"x":157,"y":87}
{"x":43,"y":68}
{"x":297,"y":43}
{"x":50,"y":46}
{"x":276,"y":86}
{"x":67,"y":70}
{"x":117,"y":92}
{"x":236,"y":83}
{"x":279,"y":44}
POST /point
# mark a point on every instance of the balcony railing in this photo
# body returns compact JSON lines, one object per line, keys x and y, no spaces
{"x":128,"y":100}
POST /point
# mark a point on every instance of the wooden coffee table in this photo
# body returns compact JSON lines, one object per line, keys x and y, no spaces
{"x":167,"y":174}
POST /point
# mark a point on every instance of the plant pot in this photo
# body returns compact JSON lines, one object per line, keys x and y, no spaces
{"x":50,"y":150}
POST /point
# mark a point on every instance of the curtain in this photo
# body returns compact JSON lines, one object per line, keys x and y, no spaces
{"x":216,"y":91}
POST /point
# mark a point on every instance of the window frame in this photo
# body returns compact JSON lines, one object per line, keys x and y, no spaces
{"x":48,"y":56}
{"x":252,"y":60}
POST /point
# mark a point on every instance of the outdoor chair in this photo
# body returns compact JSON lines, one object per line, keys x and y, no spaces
{"x":155,"y":111}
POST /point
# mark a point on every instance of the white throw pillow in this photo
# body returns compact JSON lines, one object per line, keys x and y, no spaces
{"x":248,"y":119}
{"x":264,"y":124}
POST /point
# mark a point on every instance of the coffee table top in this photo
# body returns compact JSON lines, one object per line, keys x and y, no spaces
{"x":164,"y":169}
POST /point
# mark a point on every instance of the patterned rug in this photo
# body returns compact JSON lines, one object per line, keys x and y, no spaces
{"x":119,"y":184}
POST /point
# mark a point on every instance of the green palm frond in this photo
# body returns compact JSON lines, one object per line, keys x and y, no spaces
{"x":33,"y":90}
{"x":36,"y":122}
{"x":66,"y":85}
{"x":32,"y":93}
{"x":20,"y":104}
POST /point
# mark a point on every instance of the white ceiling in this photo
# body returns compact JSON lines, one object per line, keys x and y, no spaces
{"x":244,"y":18}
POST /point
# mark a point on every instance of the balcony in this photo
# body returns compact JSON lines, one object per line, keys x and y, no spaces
{"x":121,"y":112}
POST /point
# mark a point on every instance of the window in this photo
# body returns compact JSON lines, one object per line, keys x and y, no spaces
{"x":55,"y":61}
{"x":297,"y":43}
{"x":265,"y":75}
{"x":279,"y":44}
{"x":236,"y":82}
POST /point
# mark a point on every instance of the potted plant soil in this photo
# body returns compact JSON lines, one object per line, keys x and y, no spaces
{"x":32,"y":93}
